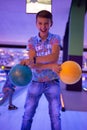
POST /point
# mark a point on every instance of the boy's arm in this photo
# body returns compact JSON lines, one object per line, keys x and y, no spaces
{"x":50,"y":58}
{"x":30,"y":60}
{"x":32,"y":54}
{"x":53,"y":66}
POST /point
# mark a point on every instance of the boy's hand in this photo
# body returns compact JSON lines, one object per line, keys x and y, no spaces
{"x":56,"y":68}
{"x":27,"y":62}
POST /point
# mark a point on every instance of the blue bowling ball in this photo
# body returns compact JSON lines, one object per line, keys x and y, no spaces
{"x":20,"y":75}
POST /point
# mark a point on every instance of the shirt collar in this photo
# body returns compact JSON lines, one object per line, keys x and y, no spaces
{"x":39,"y":39}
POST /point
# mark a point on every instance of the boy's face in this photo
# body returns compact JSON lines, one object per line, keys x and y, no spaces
{"x":43,"y":25}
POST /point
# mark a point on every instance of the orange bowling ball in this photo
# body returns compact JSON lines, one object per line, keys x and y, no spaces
{"x":70,"y":72}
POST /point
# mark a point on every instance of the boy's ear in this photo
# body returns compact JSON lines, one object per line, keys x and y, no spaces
{"x":51,"y":24}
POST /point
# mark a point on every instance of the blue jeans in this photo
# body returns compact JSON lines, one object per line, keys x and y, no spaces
{"x":51,"y":90}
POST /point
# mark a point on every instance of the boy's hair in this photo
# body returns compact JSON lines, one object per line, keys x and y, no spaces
{"x":45,"y":14}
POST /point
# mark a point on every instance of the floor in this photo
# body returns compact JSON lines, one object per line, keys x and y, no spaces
{"x":74,"y":100}
{"x":11,"y":120}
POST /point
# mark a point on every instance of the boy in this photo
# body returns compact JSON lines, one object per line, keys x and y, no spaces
{"x":43,"y":56}
{"x":8,"y":91}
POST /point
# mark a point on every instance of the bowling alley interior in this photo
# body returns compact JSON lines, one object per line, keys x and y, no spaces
{"x":17,"y":25}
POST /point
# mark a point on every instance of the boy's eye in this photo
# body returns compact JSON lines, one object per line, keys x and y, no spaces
{"x":43,"y":23}
{"x":40,"y":23}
